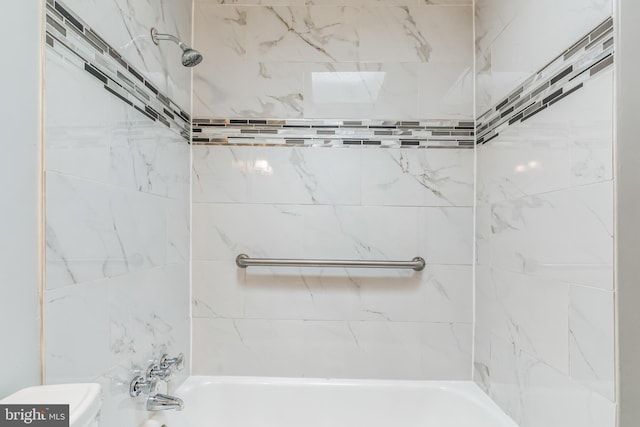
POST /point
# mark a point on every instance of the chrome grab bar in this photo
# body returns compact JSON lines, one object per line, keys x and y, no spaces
{"x":244,"y":261}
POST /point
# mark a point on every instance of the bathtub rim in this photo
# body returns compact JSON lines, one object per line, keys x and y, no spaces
{"x":466,"y":389}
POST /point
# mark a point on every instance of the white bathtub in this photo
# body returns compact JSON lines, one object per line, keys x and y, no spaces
{"x":280,"y":402}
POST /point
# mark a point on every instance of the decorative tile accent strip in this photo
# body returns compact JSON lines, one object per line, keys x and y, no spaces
{"x":331,"y":133}
{"x":70,"y":37}
{"x":566,"y":74}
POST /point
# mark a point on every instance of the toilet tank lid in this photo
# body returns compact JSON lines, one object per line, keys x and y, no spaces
{"x":84,"y":399}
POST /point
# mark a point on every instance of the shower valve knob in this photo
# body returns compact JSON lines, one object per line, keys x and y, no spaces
{"x":141,"y":385}
{"x":168,"y":363}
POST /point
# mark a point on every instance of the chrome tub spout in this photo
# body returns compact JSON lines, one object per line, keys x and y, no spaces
{"x":163,"y":402}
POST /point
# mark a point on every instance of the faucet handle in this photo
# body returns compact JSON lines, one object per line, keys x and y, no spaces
{"x":156,"y":370}
{"x":141,"y":385}
{"x":167,"y":363}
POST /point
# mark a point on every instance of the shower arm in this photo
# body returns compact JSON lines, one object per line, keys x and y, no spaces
{"x":157,"y":37}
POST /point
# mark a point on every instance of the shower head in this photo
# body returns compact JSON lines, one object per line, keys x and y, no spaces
{"x":190,"y":57}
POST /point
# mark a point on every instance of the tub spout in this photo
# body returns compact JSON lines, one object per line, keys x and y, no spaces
{"x":163,"y":402}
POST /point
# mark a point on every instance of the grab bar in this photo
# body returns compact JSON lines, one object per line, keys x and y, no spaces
{"x":244,"y":261}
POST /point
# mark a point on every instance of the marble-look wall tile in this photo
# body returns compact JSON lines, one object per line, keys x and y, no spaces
{"x":445,"y":235}
{"x":117,"y":213}
{"x":222,"y":231}
{"x":506,"y":53}
{"x":337,"y":212}
{"x":371,"y":90}
{"x":126,"y":25}
{"x":94,"y":231}
{"x":435,"y":34}
{"x":544,"y":226}
{"x":349,"y":349}
{"x":291,"y":34}
{"x":418,"y":177}
{"x":509,"y":306}
{"x":360,"y":232}
{"x":565,"y":235}
{"x":537,"y":395}
{"x":327,"y":59}
{"x":248,"y":89}
{"x":565,"y":146}
{"x":446,"y":90}
{"x":78,"y":329}
{"x":441,"y":293}
{"x":591,"y":340}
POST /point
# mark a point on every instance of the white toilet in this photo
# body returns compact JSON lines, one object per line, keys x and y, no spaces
{"x":84,"y":400}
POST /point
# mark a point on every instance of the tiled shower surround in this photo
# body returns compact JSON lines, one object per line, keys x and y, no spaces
{"x":117,"y":185}
{"x":544,"y":326}
{"x":117,"y":197}
{"x":288,"y":77}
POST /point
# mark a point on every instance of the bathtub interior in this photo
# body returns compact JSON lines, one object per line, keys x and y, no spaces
{"x":280,"y":402}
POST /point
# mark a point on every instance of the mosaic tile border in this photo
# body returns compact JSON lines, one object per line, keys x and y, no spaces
{"x":335,"y":133}
{"x":70,"y":37}
{"x":563,"y":76}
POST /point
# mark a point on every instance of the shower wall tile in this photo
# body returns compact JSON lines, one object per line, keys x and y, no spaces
{"x":325,"y":214}
{"x":249,"y":89}
{"x":306,"y":34}
{"x":441,"y":293}
{"x":535,"y":394}
{"x":544,"y":225}
{"x":222,"y":231}
{"x":349,"y":349}
{"x":565,"y":235}
{"x":591,"y":345}
{"x":506,"y":53}
{"x":326,"y":59}
{"x":117,"y":206}
{"x":435,"y":34}
{"x":371,"y":90}
{"x":443,"y":235}
{"x":299,"y":176}
{"x":93,"y":233}
{"x":126,"y":25}
{"x":446,"y":90}
{"x":360,"y":232}
{"x":509,"y":307}
{"x":417,"y":177}
{"x":565,"y":146}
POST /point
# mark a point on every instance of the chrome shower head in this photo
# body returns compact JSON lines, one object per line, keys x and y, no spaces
{"x":190,"y":57}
